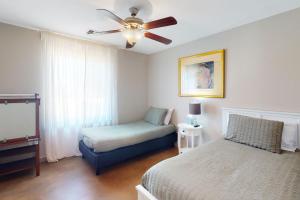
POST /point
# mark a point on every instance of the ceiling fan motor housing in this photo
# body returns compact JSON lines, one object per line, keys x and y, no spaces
{"x":134,"y":11}
{"x":134,"y":22}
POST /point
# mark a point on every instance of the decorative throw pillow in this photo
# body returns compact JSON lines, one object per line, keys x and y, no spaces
{"x":260,"y":133}
{"x":168,"y":116}
{"x":156,"y":116}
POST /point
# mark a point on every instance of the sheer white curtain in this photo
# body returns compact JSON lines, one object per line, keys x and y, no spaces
{"x":79,"y":90}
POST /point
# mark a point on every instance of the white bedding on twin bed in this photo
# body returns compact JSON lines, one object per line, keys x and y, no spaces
{"x":108,"y":138}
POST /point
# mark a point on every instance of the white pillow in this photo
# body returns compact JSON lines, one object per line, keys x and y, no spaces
{"x":289,"y":137}
{"x":168,"y":116}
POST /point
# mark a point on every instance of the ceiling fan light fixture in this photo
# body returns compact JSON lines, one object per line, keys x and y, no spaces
{"x":133,"y":35}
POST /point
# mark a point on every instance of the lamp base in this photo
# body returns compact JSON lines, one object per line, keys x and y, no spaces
{"x":194,"y":122}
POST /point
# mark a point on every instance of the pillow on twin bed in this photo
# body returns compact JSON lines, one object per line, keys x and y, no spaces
{"x":156,"y":116}
{"x":168,"y":116}
{"x":260,"y":133}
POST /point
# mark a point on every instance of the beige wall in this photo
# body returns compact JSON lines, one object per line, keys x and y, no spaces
{"x":262,"y":70}
{"x":132,"y":86}
{"x":20,"y":52}
{"x":20,"y":71}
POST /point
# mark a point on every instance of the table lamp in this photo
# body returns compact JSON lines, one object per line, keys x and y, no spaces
{"x":194,"y":111}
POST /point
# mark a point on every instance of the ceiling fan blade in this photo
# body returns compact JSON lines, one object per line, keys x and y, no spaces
{"x":90,"y":32}
{"x":168,"y":21}
{"x":157,"y":38}
{"x":113,"y":16}
{"x":128,"y":45}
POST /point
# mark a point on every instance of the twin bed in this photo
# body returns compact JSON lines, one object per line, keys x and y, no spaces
{"x":105,"y":146}
{"x":107,"y":138}
{"x":227,"y":169}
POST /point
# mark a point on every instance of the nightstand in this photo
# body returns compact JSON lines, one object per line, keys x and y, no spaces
{"x":190,"y":133}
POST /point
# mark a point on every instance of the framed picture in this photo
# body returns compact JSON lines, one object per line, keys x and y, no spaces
{"x":202,"y":75}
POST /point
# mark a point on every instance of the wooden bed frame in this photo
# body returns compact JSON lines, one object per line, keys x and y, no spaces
{"x":287,"y":118}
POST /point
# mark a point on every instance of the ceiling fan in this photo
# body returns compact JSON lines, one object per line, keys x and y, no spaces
{"x":134,"y":28}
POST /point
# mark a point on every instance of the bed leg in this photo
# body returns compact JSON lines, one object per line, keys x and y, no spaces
{"x":82,"y":156}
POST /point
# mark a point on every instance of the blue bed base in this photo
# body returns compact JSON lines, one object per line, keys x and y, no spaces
{"x":103,"y":160}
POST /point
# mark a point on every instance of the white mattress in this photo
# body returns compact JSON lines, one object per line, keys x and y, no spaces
{"x":108,"y":138}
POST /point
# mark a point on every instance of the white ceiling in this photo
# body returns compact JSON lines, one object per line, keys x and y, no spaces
{"x":196,"y":18}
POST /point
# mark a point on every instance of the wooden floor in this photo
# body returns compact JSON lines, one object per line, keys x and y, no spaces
{"x":73,"y":178}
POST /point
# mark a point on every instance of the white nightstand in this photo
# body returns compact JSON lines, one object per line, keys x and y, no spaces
{"x":190,"y":133}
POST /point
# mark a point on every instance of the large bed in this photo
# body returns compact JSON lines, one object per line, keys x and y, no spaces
{"x":225,"y":169}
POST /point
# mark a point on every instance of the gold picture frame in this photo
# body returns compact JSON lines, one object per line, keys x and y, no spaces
{"x":202,"y":75}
